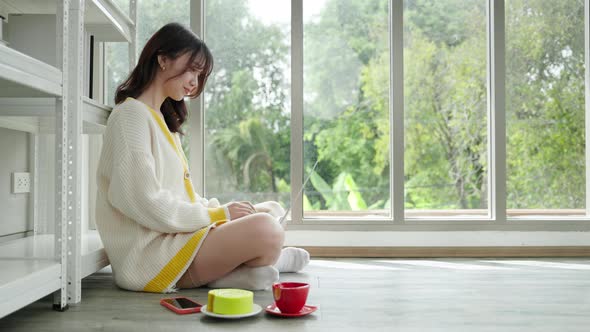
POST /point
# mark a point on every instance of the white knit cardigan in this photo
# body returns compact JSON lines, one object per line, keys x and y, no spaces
{"x":150,"y":220}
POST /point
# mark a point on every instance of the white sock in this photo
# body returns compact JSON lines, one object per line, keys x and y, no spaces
{"x":245,"y":277}
{"x":292,"y":260}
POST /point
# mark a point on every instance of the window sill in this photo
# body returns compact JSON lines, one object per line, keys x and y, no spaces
{"x":464,"y":213}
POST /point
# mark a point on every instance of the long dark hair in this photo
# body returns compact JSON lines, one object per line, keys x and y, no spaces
{"x":171,"y":41}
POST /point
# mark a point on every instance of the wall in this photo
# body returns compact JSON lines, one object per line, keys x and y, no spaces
{"x":39,"y":43}
{"x":13,"y":207}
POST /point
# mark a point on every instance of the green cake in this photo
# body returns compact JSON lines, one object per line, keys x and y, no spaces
{"x":230,"y":301}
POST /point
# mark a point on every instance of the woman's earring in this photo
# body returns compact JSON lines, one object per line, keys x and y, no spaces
{"x":163,"y":67}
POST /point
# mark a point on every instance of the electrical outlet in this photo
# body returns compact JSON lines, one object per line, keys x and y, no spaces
{"x":21,"y":182}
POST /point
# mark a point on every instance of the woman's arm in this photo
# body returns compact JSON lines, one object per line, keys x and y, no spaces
{"x":136,"y":192}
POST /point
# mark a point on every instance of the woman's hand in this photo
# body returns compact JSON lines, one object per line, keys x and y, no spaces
{"x":240,"y":209}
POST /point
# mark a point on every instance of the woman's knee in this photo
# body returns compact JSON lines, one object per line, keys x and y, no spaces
{"x":267,"y":231}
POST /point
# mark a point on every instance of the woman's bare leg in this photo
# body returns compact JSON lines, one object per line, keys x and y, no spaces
{"x":255,"y":240}
{"x":291,"y":259}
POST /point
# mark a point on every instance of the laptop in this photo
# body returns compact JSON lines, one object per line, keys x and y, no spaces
{"x":283,"y":219}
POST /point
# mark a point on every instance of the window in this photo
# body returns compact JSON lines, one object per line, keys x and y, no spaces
{"x":247,"y":112}
{"x":153,"y":14}
{"x":117,"y":68}
{"x":346,"y":108}
{"x":545,"y":107}
{"x":445,"y":113}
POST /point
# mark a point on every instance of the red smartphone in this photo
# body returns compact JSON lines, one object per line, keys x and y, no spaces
{"x":181,"y":305}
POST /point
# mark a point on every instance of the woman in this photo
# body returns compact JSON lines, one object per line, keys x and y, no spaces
{"x":158,"y":233}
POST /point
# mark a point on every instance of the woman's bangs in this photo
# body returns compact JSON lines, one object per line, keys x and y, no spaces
{"x":201,"y":61}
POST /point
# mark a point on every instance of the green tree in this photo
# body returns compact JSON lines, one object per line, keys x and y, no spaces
{"x":445,"y":104}
{"x":545,"y":104}
{"x":344,"y":128}
{"x":249,"y":152}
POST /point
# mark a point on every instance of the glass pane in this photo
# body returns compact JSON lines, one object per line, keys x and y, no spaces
{"x":445,"y":104}
{"x":346,"y":108}
{"x":545,"y":107}
{"x":117,"y":68}
{"x":247,"y":109}
{"x":152,"y":15}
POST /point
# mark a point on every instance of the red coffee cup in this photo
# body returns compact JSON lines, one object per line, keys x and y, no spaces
{"x":290,"y":297}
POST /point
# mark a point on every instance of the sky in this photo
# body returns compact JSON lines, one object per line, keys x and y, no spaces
{"x":279,"y":11}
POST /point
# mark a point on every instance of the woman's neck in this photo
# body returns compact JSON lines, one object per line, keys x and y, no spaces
{"x":153,"y":96}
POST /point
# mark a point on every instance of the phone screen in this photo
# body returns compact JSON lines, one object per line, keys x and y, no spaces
{"x":183,"y":303}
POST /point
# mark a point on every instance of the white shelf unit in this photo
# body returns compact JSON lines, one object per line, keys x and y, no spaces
{"x":102,"y":18}
{"x":94,"y":116}
{"x":24,"y":76}
{"x":22,"y":279}
{"x":25,"y":281}
{"x":23,"y":114}
{"x":40,"y":248}
{"x":38,"y":98}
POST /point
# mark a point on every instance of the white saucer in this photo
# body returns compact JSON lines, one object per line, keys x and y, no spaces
{"x":256,"y":309}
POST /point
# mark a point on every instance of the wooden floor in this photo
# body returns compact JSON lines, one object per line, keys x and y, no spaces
{"x":360,"y":295}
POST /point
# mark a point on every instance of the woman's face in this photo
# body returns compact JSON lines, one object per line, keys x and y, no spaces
{"x":180,"y":78}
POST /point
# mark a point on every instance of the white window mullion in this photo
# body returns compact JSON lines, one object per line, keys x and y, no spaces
{"x":296,"y":109}
{"x":396,"y":109}
{"x":196,"y":106}
{"x":496,"y":111}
